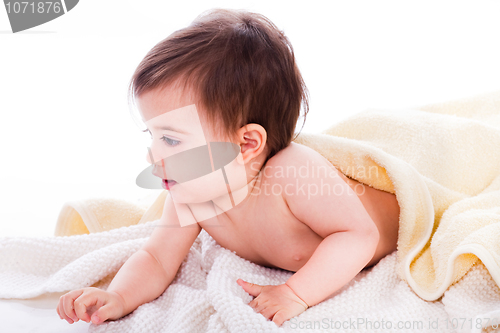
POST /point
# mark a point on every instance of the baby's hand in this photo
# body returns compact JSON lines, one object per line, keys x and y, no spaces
{"x":278,"y":303}
{"x":90,"y":303}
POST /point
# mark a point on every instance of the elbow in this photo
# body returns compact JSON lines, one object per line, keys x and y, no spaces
{"x":371,"y":237}
{"x":374,"y":233}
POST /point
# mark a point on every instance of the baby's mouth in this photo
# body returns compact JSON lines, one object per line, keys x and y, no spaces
{"x":168,"y":183}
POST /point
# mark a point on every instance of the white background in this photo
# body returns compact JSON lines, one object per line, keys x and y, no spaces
{"x":66,"y":132}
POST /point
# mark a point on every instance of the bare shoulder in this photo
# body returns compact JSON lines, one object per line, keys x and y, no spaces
{"x":315,"y":192}
{"x":296,"y":158}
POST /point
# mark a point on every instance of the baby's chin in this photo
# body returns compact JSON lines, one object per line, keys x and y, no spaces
{"x":189,"y":194}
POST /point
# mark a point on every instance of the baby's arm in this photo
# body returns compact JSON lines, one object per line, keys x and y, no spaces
{"x":154,"y":267}
{"x":350,"y":238}
{"x":143,"y":277}
{"x":336,"y":261}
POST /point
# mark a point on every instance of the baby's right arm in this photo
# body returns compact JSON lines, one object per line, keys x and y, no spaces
{"x":143,"y":277}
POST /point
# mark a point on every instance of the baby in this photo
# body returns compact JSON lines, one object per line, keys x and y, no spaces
{"x":230,"y":77}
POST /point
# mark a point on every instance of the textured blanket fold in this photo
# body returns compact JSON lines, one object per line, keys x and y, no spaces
{"x":442,"y":161}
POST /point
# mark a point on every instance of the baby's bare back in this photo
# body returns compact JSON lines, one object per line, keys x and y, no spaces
{"x":264,"y":230}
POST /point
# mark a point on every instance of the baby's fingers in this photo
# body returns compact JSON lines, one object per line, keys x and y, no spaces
{"x":84,"y":303}
{"x":66,"y":306}
{"x":281,"y":316}
{"x":269,"y":311}
{"x":104,"y":313}
{"x":62,"y":314}
{"x":258,"y":304}
{"x":285,"y":313}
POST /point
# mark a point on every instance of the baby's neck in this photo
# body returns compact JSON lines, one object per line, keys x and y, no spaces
{"x":237,"y":197}
{"x":240,"y":196}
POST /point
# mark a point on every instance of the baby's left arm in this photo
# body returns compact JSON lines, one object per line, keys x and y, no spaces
{"x":350,"y":238}
{"x":336,"y":261}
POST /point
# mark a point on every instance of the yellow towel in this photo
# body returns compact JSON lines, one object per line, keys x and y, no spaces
{"x":101,"y":214}
{"x":443,"y":163}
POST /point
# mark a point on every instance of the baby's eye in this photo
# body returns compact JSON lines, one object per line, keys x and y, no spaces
{"x":169,"y":141}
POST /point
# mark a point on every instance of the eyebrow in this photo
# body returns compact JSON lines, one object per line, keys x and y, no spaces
{"x":169,"y":128}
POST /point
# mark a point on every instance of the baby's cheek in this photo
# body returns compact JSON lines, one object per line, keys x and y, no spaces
{"x":201,"y":189}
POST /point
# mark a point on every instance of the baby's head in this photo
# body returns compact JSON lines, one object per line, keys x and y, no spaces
{"x":237,"y":67}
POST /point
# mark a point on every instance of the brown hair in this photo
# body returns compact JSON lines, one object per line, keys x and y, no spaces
{"x":240,"y":66}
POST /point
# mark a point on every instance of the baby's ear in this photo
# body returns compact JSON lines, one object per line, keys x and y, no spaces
{"x":252,"y":139}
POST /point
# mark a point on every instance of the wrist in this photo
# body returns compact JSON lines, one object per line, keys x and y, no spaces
{"x":121,"y":301}
{"x":301,"y":299}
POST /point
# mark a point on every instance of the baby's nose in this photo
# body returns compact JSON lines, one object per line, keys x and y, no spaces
{"x":158,"y":165}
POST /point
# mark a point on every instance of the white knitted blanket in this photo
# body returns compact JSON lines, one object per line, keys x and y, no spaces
{"x":204,"y":297}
